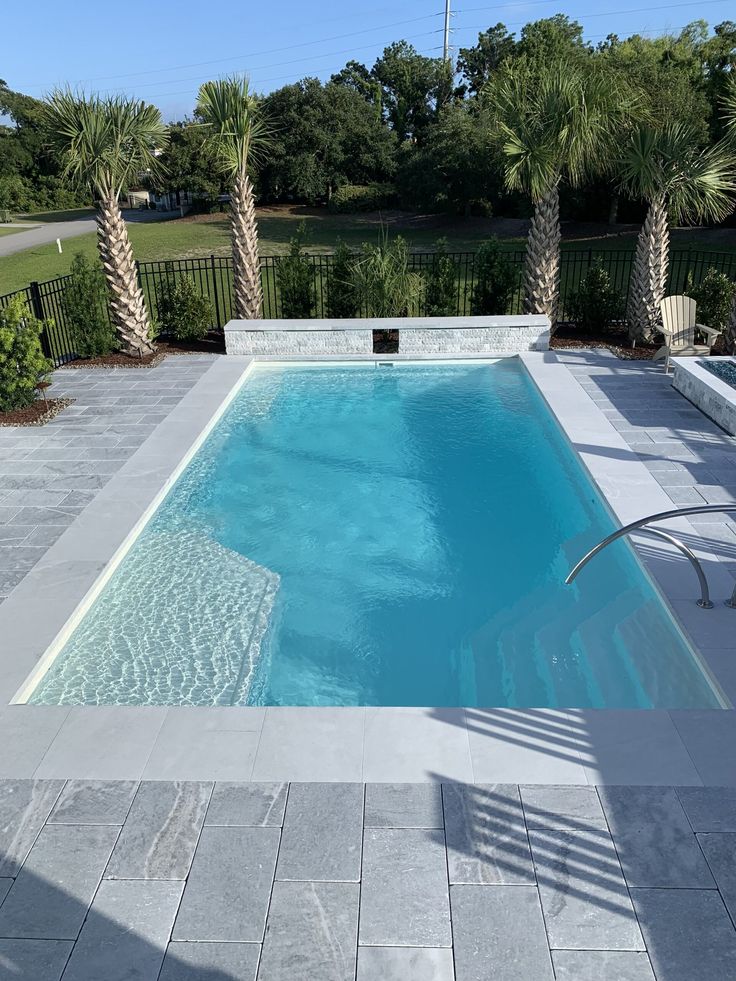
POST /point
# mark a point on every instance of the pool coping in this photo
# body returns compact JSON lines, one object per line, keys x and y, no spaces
{"x":375,"y":744}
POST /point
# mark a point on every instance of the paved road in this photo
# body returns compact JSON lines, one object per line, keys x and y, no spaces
{"x":43,"y":234}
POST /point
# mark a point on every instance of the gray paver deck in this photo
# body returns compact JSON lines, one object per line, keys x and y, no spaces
{"x":232,"y":919}
{"x":109,"y":453}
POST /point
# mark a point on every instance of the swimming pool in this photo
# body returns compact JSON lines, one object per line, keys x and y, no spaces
{"x":379,"y":535}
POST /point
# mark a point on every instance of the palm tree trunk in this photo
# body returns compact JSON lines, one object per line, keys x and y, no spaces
{"x":542,"y":261}
{"x":247,"y":289}
{"x":127,"y":302}
{"x":649,"y":275}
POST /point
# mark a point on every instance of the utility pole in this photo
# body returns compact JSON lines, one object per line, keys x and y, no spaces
{"x":446,"y":45}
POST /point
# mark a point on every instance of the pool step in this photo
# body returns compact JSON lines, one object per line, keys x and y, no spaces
{"x":193,"y":615}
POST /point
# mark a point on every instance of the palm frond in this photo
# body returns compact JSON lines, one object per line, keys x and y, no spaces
{"x":698,"y":184}
{"x":238,"y":131}
{"x":561,"y":124}
{"x":105,"y":143}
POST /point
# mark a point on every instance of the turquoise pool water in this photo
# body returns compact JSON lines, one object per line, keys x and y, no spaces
{"x":379,"y":535}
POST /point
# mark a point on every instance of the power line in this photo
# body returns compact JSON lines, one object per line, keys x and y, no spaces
{"x":256,"y":68}
{"x":252,"y":54}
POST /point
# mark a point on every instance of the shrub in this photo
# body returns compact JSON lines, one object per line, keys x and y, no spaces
{"x":342,"y":301}
{"x":362,"y":197}
{"x":715,"y":295}
{"x":495,"y":280}
{"x":295,"y":278}
{"x":383,"y":282}
{"x":85,"y":309}
{"x":184,"y":313}
{"x":441,"y":294}
{"x":22,"y":362}
{"x":596,"y":303}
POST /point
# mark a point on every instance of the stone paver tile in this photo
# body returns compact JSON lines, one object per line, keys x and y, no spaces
{"x":403,"y":805}
{"x":311,"y":932}
{"x":405,"y":744}
{"x":584,"y":897}
{"x":486,"y":834}
{"x":24,"y":807}
{"x":33,"y":960}
{"x":54,"y":889}
{"x":602,"y":965}
{"x":688,"y":933}
{"x":112,"y":742}
{"x":499,"y":934}
{"x":311,"y":744}
{"x":525,"y":746}
{"x":247,"y":805}
{"x":161,"y":831}
{"x":562,"y":808}
{"x":189,"y":749}
{"x":126,"y":932}
{"x":709,"y":808}
{"x":94,"y":802}
{"x":203,"y":961}
{"x":226,"y":896}
{"x":628,"y":746}
{"x":653,"y":838}
{"x":720,"y":853}
{"x":405,"y":964}
{"x":322,"y":832}
{"x":30,"y":730}
{"x":404,"y":898}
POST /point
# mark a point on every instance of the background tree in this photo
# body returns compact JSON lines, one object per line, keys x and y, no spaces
{"x":458,"y":167}
{"x":187,"y":163}
{"x":679,"y":181}
{"x":240,"y":137}
{"x":107,"y":144}
{"x":31,"y":175}
{"x":410,"y":84}
{"x":328,"y":135}
{"x":478,"y":63}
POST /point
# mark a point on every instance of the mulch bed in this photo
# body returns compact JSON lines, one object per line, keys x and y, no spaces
{"x":213,"y":344}
{"x":614,"y":339}
{"x":37,"y":414}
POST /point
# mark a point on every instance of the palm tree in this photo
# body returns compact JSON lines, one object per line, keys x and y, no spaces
{"x":680,"y":182}
{"x":560,"y":125}
{"x":240,"y":137}
{"x":107,"y":144}
{"x":729,"y":117}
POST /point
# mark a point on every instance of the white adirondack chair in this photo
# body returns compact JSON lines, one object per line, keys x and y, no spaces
{"x":679,"y":324}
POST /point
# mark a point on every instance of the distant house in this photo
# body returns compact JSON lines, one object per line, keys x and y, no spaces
{"x":141,"y":197}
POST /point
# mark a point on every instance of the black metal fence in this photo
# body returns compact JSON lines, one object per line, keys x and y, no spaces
{"x":213,"y":276}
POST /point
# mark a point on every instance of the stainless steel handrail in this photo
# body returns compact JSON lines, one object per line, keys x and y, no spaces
{"x":704,"y":602}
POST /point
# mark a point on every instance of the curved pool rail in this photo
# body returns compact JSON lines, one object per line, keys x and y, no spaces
{"x":641,"y":526}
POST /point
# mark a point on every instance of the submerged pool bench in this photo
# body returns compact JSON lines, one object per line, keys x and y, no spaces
{"x":418,"y":336}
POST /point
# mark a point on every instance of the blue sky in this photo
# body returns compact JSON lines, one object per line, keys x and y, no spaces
{"x":162,"y":50}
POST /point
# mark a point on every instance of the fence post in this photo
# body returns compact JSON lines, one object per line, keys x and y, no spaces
{"x":215,"y":291}
{"x":38,"y":313}
{"x":36,"y":301}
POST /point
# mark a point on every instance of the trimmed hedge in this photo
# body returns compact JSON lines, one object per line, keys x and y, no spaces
{"x":362,"y":197}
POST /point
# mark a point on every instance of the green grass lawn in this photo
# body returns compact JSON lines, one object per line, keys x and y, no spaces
{"x":10,"y":231}
{"x":210,"y":235}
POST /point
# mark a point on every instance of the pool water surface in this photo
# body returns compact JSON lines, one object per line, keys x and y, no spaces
{"x":379,"y":535}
